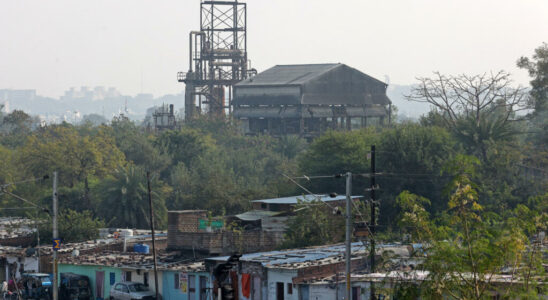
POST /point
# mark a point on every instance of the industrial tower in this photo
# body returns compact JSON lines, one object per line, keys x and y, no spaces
{"x":217,"y":58}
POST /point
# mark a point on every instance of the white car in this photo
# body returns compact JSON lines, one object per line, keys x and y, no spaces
{"x":131,"y":291}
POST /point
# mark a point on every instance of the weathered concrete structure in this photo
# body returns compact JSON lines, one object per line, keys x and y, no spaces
{"x":186,"y":232}
{"x":309,"y":99}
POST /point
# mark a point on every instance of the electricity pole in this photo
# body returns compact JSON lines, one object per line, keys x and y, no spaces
{"x":373,"y":218}
{"x":348,"y":234}
{"x":153,"y":236}
{"x":55,"y":236}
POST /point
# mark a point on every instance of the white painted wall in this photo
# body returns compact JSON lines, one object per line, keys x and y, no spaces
{"x":330,"y":292}
{"x":285,"y":276}
{"x":322,"y":292}
{"x":30,"y":264}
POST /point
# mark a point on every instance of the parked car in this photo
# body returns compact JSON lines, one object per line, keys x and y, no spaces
{"x":131,"y":290}
{"x":74,"y":287}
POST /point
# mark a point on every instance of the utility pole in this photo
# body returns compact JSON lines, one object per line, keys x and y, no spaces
{"x":153,"y":236}
{"x":38,"y":243}
{"x":348,"y":234}
{"x":373,"y":219}
{"x":55,"y":236}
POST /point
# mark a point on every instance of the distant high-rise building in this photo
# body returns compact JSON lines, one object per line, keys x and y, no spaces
{"x":17,"y":95}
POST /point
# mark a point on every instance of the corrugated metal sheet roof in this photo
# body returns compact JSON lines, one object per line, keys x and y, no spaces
{"x":288,"y":74}
{"x":296,"y":258}
{"x":307,"y":198}
{"x":256,"y":215}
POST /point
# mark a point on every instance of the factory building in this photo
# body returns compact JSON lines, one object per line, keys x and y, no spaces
{"x":310,"y":99}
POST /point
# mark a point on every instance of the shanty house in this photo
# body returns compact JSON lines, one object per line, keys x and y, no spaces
{"x":287,"y":204}
{"x":178,"y":278}
{"x":309,"y":99}
{"x":275,"y":274}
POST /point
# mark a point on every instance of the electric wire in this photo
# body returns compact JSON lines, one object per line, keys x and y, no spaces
{"x":308,"y":191}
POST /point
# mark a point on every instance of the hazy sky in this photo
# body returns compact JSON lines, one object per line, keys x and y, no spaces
{"x":139,"y":45}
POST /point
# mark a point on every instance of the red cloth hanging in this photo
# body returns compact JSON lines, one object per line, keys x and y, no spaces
{"x":246,"y":285}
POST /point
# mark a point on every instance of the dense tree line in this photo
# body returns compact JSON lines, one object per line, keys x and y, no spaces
{"x":209,"y":164}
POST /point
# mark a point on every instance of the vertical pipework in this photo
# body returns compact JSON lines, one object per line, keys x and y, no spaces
{"x":190,"y":52}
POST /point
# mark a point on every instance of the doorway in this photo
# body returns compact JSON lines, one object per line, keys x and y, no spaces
{"x":279,"y":291}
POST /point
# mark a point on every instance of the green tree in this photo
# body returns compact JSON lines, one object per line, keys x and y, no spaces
{"x":73,"y":226}
{"x":15,"y":127}
{"x":290,"y":146}
{"x":76,"y":157}
{"x":125,"y":198}
{"x":314,"y":224}
{"x":337,"y":152}
{"x":94,"y":120}
{"x":185,"y":145}
{"x":467,"y":247}
{"x":411,"y":158}
{"x":138,"y":146}
{"x":239,"y":169}
{"x":537,"y":66}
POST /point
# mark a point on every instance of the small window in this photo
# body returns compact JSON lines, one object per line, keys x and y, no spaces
{"x":263,"y":205}
{"x":118,"y":287}
{"x":125,"y":289}
{"x":290,"y":288}
{"x":176,"y":283}
{"x":145,"y":278}
{"x":128,"y":276}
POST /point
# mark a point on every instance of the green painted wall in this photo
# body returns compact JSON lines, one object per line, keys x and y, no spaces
{"x":89,"y":271}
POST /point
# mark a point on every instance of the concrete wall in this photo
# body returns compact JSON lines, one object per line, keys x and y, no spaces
{"x":285,"y":276}
{"x":27,"y":264}
{"x":169,"y":292}
{"x":225,"y":242}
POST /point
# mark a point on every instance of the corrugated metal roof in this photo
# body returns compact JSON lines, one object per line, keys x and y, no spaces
{"x":288,"y":74}
{"x":255,"y":215}
{"x":306,"y":198}
{"x":295,"y":258}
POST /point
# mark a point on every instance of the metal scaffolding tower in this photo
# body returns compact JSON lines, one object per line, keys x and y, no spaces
{"x":217,"y":58}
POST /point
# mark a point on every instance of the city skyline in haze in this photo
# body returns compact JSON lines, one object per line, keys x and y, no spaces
{"x":139,"y":46}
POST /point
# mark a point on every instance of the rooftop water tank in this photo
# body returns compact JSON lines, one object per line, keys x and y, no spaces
{"x":141,"y":248}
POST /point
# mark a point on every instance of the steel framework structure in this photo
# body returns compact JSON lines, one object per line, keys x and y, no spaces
{"x":217,"y":57}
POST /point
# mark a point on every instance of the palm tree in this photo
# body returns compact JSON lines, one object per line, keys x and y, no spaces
{"x":125,"y":199}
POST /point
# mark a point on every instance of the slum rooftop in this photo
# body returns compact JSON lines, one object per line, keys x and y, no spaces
{"x":409,"y":276}
{"x":303,"y":198}
{"x":46,"y":249}
{"x":12,"y":227}
{"x":319,"y":255}
{"x":132,"y":260}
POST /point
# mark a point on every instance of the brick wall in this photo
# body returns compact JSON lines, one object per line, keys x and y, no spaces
{"x":324,"y":270}
{"x":224,"y":242}
{"x":185,"y":220}
{"x":183,"y":234}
